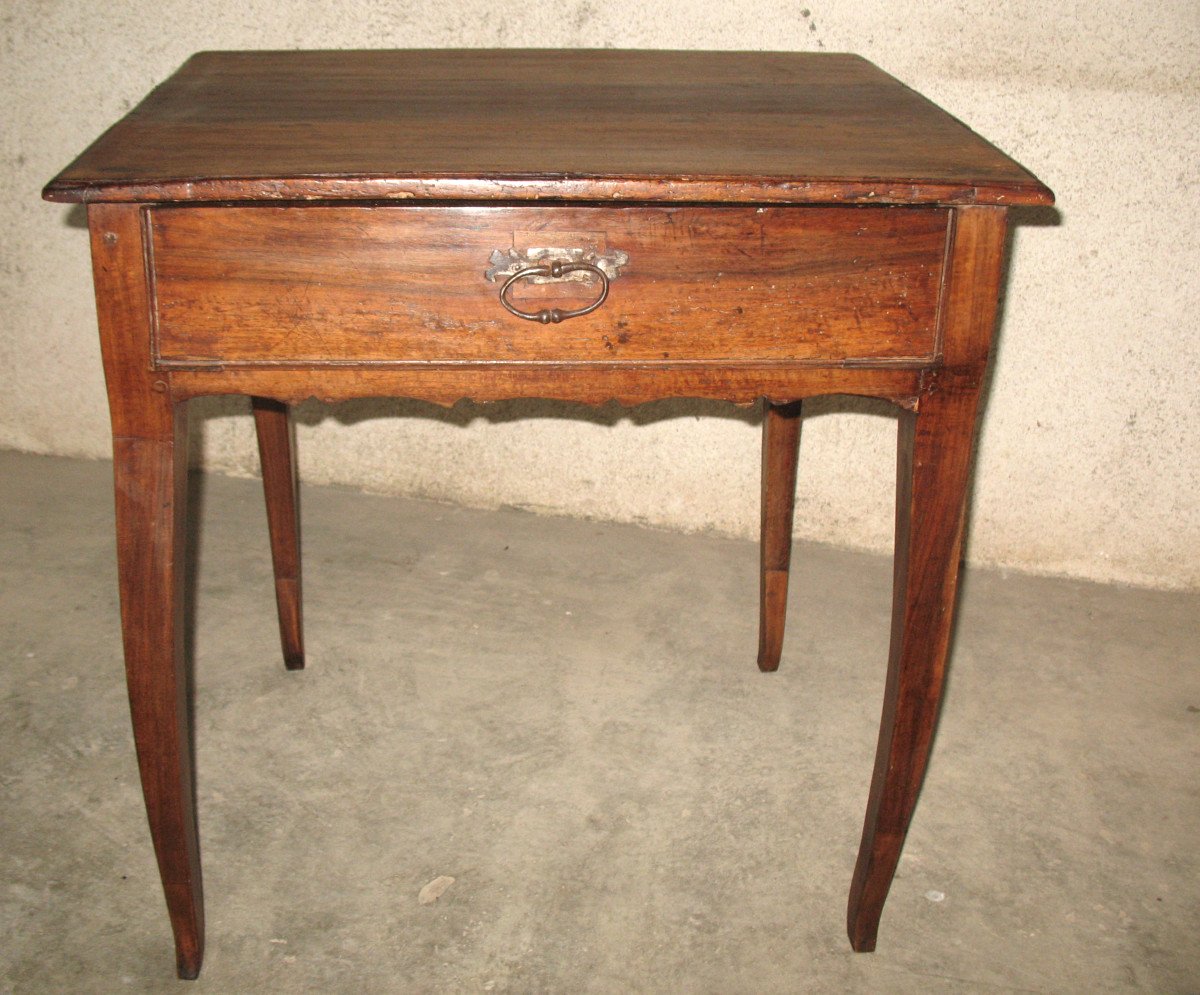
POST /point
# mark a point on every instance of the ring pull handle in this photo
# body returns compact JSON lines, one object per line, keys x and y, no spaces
{"x":554,"y":315}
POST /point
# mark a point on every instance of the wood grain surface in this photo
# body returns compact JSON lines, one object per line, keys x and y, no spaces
{"x":281,"y":489}
{"x":322,"y":285}
{"x":512,"y":124}
{"x":933,"y":474}
{"x":150,"y":468}
{"x":876,"y":270}
{"x":780,"y":452}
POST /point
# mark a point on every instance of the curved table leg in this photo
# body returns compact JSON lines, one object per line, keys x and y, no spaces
{"x":151,"y":488}
{"x":150,"y":477}
{"x":933,"y":469}
{"x":276,"y":452}
{"x":781,"y":447}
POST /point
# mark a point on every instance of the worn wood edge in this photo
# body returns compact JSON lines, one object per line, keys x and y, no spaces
{"x":567,"y":366}
{"x":625,"y":384}
{"x":557,"y":187}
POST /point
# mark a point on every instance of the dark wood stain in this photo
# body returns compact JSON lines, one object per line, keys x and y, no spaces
{"x":510,"y":124}
{"x":207,"y":284}
{"x":276,"y":447}
{"x":780,"y":451}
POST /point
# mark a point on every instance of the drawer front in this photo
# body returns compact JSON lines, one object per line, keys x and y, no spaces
{"x":368,"y":285}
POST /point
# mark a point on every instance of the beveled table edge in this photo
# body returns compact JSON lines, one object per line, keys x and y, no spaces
{"x":557,"y":187}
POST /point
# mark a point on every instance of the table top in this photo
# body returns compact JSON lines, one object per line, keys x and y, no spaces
{"x":527,"y":124}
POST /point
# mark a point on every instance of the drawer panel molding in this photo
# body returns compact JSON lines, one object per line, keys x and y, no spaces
{"x":326,"y":285}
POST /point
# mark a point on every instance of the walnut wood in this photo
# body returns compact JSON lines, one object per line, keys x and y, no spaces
{"x":592,"y":383}
{"x":380,"y":284}
{"x":781,"y":449}
{"x":931,"y":492}
{"x":799,"y":295}
{"x":150,"y":475}
{"x":276,"y":449}
{"x":507,"y":124}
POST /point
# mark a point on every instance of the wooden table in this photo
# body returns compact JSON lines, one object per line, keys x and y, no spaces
{"x":586,"y":226}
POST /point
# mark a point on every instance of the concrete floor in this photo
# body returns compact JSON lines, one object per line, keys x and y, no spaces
{"x":566,"y":718}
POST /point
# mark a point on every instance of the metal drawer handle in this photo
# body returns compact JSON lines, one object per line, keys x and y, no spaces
{"x":554,"y":315}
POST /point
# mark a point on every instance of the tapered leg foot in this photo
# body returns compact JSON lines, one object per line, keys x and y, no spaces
{"x":150,"y":478}
{"x":781,"y":447}
{"x":277,"y":454}
{"x":935,"y":451}
{"x":150,"y":475}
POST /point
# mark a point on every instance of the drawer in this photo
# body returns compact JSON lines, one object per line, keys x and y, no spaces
{"x":316,"y":285}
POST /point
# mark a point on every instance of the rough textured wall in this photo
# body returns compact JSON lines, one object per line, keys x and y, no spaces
{"x":1089,"y":462}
